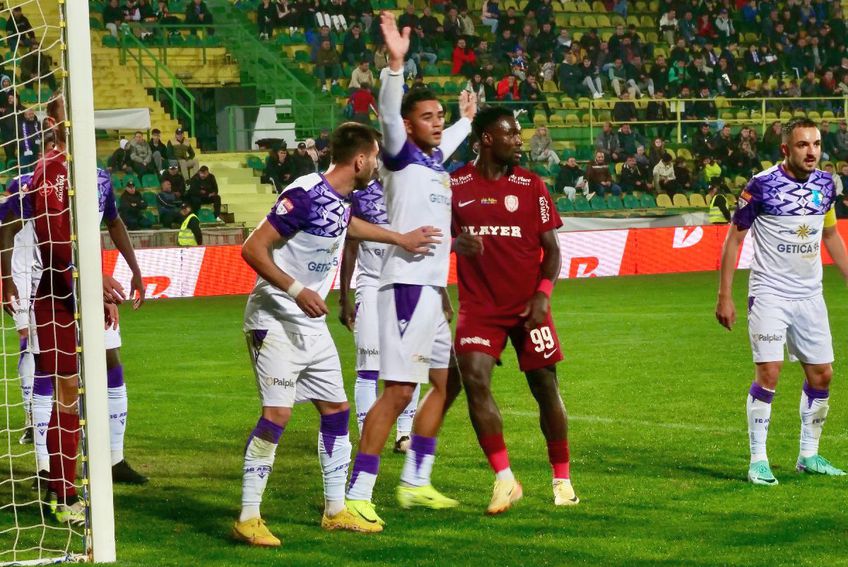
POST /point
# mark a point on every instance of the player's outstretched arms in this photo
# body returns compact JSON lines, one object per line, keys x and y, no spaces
{"x":467,"y":245}
{"x":418,"y":241}
{"x":347,"y":313}
{"x":836,"y":248}
{"x":391,"y":86}
{"x":113,"y":291}
{"x":256,"y":251}
{"x":725,"y":309}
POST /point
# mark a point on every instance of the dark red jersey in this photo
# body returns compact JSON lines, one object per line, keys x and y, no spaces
{"x":510,"y":215}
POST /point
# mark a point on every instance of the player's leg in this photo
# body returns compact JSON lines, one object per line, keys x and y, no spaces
{"x":366,"y":336}
{"x":276,"y":366}
{"x":42,"y":413}
{"x":22,"y":274}
{"x":403,"y":426}
{"x":768,"y":321}
{"x":810,"y":341}
{"x":122,"y":472}
{"x":26,"y":374}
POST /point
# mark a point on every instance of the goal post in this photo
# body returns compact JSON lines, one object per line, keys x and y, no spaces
{"x":100,"y":537}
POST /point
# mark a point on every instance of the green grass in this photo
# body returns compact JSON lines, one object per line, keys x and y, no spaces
{"x":655,"y":390}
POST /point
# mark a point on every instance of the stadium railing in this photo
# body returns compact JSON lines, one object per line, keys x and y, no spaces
{"x":165,"y":84}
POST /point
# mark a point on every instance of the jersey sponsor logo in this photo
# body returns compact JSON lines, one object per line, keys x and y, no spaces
{"x":489,"y":201}
{"x":440,"y":199}
{"x":511,"y":203}
{"x":685,"y":237}
{"x":804,"y":231}
{"x":285,"y":206}
{"x":549,"y":354}
{"x":465,"y":203}
{"x":511,"y":231}
{"x":57,"y":186}
{"x":279,"y":382}
{"x":519,"y":180}
{"x":474,"y":341}
{"x":368,"y":351}
{"x":322,"y":267}
{"x":420,"y":359}
{"x":544,"y":209}
{"x":767,"y":337}
{"x":811,"y":248}
{"x":460,"y":179}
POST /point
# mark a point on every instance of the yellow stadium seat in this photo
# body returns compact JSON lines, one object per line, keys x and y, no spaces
{"x":572,"y":120}
{"x":584,"y":7}
{"x":633,"y":21}
{"x":556,"y":120}
{"x":570,"y":6}
{"x":647,"y":22}
{"x":618,"y":167}
{"x":684,"y":153}
{"x":697,"y":200}
{"x":540,"y":119}
{"x":598,"y":7}
{"x":828,"y":114}
{"x":813,"y":115}
{"x":680,"y":200}
{"x":664,"y":201}
{"x":575,"y":20}
{"x":731,"y":200}
{"x":590,"y":21}
{"x":603,"y":21}
{"x":549,"y":87}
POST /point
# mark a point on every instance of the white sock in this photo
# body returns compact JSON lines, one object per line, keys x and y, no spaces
{"x":505,"y":474}
{"x":404,"y":420}
{"x":258,"y":464}
{"x":26,"y":372}
{"x":814,"y":406}
{"x":759,"y":415}
{"x":117,"y":421}
{"x":334,"y":450}
{"x":42,"y":410}
{"x":364,"y":476}
{"x":419,"y":461}
{"x":364,"y":395}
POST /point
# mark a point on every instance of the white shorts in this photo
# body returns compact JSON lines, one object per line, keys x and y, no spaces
{"x":801,"y":325}
{"x":291,"y":368}
{"x":112,"y":338}
{"x":414,"y":334}
{"x":366,"y":329}
{"x":26,"y":273}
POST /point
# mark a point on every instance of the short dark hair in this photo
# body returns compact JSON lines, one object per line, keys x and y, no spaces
{"x":486,"y":117}
{"x":350,"y":139}
{"x":413,"y":97}
{"x":790,"y":127}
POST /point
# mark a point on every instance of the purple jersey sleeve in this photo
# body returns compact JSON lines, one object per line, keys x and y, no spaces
{"x":291,"y":212}
{"x":106,"y":196}
{"x":368,"y":204}
{"x":748,"y":206}
{"x":18,"y":204}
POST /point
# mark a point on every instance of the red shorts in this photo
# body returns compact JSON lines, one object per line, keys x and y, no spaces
{"x":536,"y":348}
{"x":57,"y":339}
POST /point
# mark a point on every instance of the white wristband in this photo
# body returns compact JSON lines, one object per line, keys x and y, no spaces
{"x":295,"y":288}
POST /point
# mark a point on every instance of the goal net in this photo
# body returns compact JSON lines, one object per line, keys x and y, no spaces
{"x":55,"y":483}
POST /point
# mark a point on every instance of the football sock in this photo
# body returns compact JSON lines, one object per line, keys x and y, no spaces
{"x":364,"y":394}
{"x":814,"y":406}
{"x":26,"y":372}
{"x":495,"y":450}
{"x":63,"y":442}
{"x":419,"y":461}
{"x":364,"y":476}
{"x":759,"y":415}
{"x":334,"y":454}
{"x":117,"y":412}
{"x":258,"y":463}
{"x":42,"y":410}
{"x":559,"y":457}
{"x":404,"y":420}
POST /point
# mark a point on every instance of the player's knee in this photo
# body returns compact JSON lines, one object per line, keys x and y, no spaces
{"x":819,"y":376}
{"x":399,"y":394}
{"x":277,"y":415}
{"x":475,"y":379}
{"x":768,"y":375}
{"x":543,"y":383}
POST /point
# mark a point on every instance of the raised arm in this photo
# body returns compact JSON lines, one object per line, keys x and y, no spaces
{"x":456,"y":134}
{"x":391,"y":85}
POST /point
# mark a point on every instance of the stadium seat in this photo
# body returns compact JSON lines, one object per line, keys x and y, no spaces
{"x":664,"y":201}
{"x":679,"y":200}
{"x":564,"y":205}
{"x":598,"y":204}
{"x":255,"y":163}
{"x":697,"y":200}
{"x":149,"y":198}
{"x":581,"y":204}
{"x":614,"y":203}
{"x":630,"y":202}
{"x":149,"y":180}
{"x":541,"y":170}
{"x":765,"y":164}
{"x":684,"y":153}
{"x":206,"y":215}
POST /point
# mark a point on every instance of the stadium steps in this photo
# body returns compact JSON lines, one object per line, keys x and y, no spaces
{"x":247,"y":198}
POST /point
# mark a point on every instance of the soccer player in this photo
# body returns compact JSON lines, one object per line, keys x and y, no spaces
{"x":294,"y":251}
{"x":508,"y":258}
{"x":412,"y":300}
{"x":789,"y":210}
{"x":361,"y":317}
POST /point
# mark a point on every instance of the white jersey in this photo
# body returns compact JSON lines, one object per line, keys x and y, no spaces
{"x":314,"y":219}
{"x":417,"y":191}
{"x":786,"y":218}
{"x":368,"y":205}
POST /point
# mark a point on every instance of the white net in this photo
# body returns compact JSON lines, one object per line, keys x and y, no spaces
{"x":43,"y":517}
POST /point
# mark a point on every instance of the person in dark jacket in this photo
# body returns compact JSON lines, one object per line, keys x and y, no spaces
{"x":301,"y":162}
{"x":277,"y":169}
{"x":197,"y":13}
{"x":131,"y":208}
{"x":176,"y":179}
{"x":168,"y":204}
{"x":202,"y":190}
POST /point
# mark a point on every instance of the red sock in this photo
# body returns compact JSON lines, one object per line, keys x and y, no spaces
{"x":495,"y":450}
{"x":559,"y":457}
{"x":62,"y":444}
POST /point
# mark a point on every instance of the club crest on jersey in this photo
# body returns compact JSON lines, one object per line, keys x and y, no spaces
{"x":511,"y":203}
{"x":285,"y":206}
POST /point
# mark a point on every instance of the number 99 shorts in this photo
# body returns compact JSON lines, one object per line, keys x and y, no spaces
{"x":536,"y":348}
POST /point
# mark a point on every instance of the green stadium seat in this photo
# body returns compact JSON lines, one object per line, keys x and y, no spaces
{"x":149,"y":180}
{"x":564,"y":205}
{"x":255,"y":163}
{"x":541,"y":170}
{"x":581,"y":204}
{"x":134,"y":178}
{"x":598,"y":204}
{"x":630,"y":202}
{"x":206,"y":215}
{"x":614,"y":203}
{"x":301,"y":56}
{"x":647,"y":201}
{"x":149,"y":198}
{"x":109,"y":41}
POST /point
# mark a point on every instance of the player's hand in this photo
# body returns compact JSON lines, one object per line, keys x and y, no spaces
{"x":137,"y":290}
{"x":420,"y":240}
{"x":113,"y":292}
{"x":726,"y":312}
{"x":468,"y":245}
{"x":467,"y":104}
{"x":397,"y":42}
{"x":347,"y":314}
{"x":11,"y":305}
{"x":111,"y":315}
{"x":311,"y":303}
{"x":536,"y":310}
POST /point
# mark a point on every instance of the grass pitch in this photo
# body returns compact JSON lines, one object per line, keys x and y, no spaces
{"x":655,"y":391}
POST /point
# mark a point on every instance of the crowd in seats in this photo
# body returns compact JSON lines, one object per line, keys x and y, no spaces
{"x":281,"y":166}
{"x":161,"y":177}
{"x":142,"y":16}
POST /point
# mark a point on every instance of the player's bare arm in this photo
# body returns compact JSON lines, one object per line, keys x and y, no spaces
{"x":397,"y":41}
{"x":347,"y":314}
{"x":539,"y":305}
{"x":119,"y":235}
{"x":467,"y":104}
{"x":725,"y":309}
{"x":256,"y":251}
{"x":8,"y":229}
{"x":468,"y":245}
{"x":417,"y":241}
{"x":836,"y":248}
